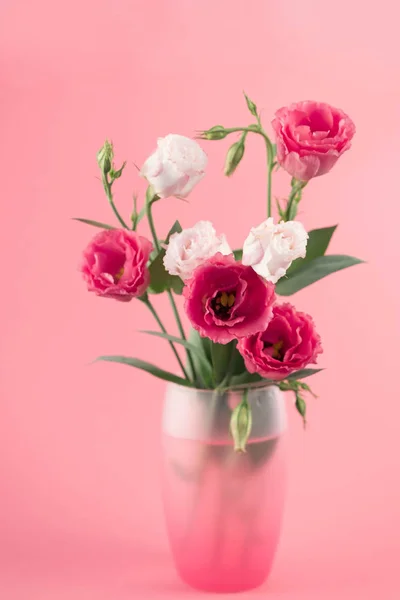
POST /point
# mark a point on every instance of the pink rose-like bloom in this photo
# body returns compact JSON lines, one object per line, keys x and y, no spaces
{"x":310,"y":137}
{"x":288,"y":344}
{"x":114,"y":264}
{"x":226,"y":300}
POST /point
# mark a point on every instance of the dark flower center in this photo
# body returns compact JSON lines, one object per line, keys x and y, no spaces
{"x":277,"y":349}
{"x":118,"y":275}
{"x":222,"y":304}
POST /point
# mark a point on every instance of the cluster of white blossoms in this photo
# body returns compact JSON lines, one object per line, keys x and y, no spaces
{"x":174,"y":169}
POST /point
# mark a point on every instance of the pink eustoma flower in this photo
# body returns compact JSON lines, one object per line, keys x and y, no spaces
{"x":310,"y":138}
{"x":288,"y":344}
{"x":226,"y":300}
{"x":115,"y":264}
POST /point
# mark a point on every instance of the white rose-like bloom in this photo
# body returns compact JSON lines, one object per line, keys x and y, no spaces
{"x":271,"y":248}
{"x":175,"y":167}
{"x":190,"y":248}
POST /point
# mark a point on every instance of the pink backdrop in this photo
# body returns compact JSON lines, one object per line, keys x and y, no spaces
{"x":81,"y":515}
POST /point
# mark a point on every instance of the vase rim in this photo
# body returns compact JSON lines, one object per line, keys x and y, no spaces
{"x":224,"y":390}
{"x":206,"y":415}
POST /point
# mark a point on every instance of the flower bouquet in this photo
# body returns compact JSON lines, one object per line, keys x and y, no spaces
{"x":224,"y":413}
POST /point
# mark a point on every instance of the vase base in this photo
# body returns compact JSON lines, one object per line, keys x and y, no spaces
{"x":225,"y":587}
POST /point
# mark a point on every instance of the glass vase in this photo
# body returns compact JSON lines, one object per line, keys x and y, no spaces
{"x":223,"y":509}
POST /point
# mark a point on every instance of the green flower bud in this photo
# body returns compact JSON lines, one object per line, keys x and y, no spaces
{"x":218,"y":132}
{"x":250,"y":105}
{"x":240,"y":425}
{"x":233,"y":157}
{"x":105,"y":157}
{"x":117,"y":174}
{"x":134,"y":215}
{"x":301,"y":407}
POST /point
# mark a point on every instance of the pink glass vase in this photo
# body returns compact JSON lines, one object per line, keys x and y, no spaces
{"x":223,"y":509}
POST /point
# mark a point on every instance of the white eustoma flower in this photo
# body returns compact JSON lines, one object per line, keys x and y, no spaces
{"x":190,"y":248}
{"x":271,"y":248}
{"x":175,"y":167}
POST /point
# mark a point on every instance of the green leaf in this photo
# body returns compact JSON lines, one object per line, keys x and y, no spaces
{"x":238,"y":254}
{"x":94,"y":223}
{"x":203,"y":345}
{"x":176,"y":228}
{"x":312,"y":271}
{"x":160,"y":279}
{"x":317,"y":245}
{"x":303,"y":373}
{"x":148,"y":367}
{"x":318,"y":241}
{"x":221,"y":356}
{"x":202,"y":359}
{"x":245,"y":378}
{"x":154,"y":253}
{"x":237,"y":365}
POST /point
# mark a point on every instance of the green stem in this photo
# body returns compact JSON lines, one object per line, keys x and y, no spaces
{"x":149,"y":203}
{"x":270,"y":157}
{"x":269,"y":180}
{"x":146,"y":300}
{"x":182,"y":332}
{"x":294,"y":199}
{"x":225,"y":382}
{"x":107,"y":188}
{"x":245,"y":396}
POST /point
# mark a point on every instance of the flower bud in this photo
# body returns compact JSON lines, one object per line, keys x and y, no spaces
{"x":301,"y":407}
{"x":117,"y":174}
{"x":134,"y":215}
{"x":105,"y":157}
{"x":240,"y":425}
{"x":233,"y":157}
{"x":218,"y":132}
{"x":250,"y":105}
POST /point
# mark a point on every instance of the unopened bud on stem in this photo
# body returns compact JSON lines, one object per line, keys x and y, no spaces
{"x":301,"y":407}
{"x":234,"y":156}
{"x":105,"y":157}
{"x":241,"y":423}
{"x":250,"y":105}
{"x":218,"y":132}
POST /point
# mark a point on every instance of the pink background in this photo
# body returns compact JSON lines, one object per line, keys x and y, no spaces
{"x":81,"y":514}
